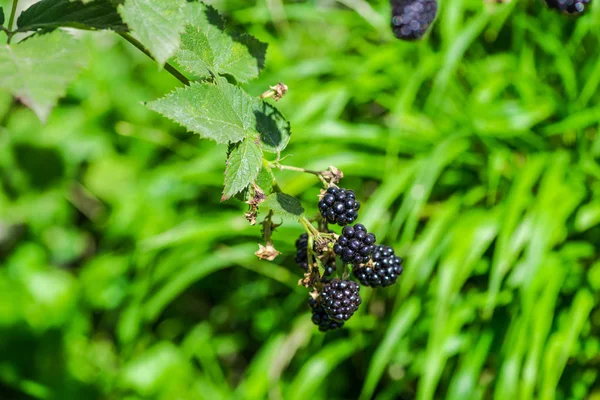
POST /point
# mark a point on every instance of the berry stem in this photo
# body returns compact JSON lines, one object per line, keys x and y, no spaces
{"x":13,"y":11}
{"x":319,"y":174}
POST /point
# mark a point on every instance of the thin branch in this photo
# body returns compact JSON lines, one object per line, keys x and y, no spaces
{"x":168,"y":67}
{"x":12,"y":14}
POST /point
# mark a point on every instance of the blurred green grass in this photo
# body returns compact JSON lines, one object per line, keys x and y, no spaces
{"x":474,"y":152}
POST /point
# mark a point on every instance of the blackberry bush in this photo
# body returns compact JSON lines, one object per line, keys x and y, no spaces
{"x":569,"y":6}
{"x":355,"y":245}
{"x":340,"y":299}
{"x":339,"y":206}
{"x":321,"y":319}
{"x":412,"y":18}
{"x":384,"y":270}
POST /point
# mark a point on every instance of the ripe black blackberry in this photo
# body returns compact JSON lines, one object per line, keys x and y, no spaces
{"x":570,"y":6}
{"x":302,"y":257}
{"x":321,"y":319}
{"x":412,"y":18}
{"x":386,"y":268}
{"x":340,"y":299}
{"x":301,"y":248}
{"x":339,"y":206}
{"x":355,"y":245}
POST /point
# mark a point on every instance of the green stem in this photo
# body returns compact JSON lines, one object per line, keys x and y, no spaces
{"x":168,"y":67}
{"x":12,"y":14}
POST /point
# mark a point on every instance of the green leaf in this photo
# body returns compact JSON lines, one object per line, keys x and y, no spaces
{"x":206,"y":49}
{"x":50,"y":14}
{"x":283,"y":205}
{"x":221,"y":112}
{"x":1,"y":16}
{"x":272,"y":126}
{"x":264,"y":180}
{"x":243,"y":165}
{"x":38,"y":70}
{"x":157,"y":23}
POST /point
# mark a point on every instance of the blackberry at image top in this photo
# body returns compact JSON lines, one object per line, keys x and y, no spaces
{"x":302,"y":256}
{"x":355,"y":245}
{"x":340,"y":299}
{"x":570,"y":6}
{"x":339,"y":206}
{"x":385,"y":270}
{"x":321,"y":319}
{"x":412,"y":18}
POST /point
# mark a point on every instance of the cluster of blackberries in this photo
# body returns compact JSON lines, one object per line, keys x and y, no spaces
{"x":412,"y":18}
{"x":339,"y":206}
{"x":336,"y":300}
{"x":569,"y":6}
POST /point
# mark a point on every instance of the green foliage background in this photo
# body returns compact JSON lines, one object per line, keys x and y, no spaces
{"x":475,"y":154}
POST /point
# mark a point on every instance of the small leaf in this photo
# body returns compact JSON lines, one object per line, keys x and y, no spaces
{"x":157,"y":23}
{"x":284,"y":205}
{"x":206,"y":49}
{"x":264,"y":180}
{"x":272,"y":126}
{"x":1,"y":16}
{"x":38,"y":70}
{"x":243,"y":165}
{"x":51,"y":14}
{"x":221,"y":112}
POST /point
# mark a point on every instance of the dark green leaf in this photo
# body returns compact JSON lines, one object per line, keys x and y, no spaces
{"x":157,"y":23}
{"x":243,"y":165}
{"x":272,"y":126}
{"x":50,"y":14}
{"x":284,"y":205}
{"x":1,"y":16}
{"x":38,"y":70}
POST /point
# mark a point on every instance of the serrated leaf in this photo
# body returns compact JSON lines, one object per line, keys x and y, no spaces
{"x":1,"y":16}
{"x":51,"y":14}
{"x":243,"y":165}
{"x":264,"y":180}
{"x":283,"y":205}
{"x":221,"y":112}
{"x":272,"y":126}
{"x":38,"y":70}
{"x":225,"y":113}
{"x":157,"y":23}
{"x":206,"y":49}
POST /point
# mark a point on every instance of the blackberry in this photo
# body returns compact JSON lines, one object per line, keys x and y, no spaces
{"x":570,"y":6}
{"x":301,"y":248}
{"x":412,"y":18}
{"x":340,"y":299}
{"x":386,"y":268}
{"x":302,"y":257}
{"x":321,"y":319}
{"x":355,"y":245}
{"x":339,"y":206}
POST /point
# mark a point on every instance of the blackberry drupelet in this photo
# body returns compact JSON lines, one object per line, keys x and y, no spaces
{"x":355,"y":245}
{"x":339,"y":206}
{"x":321,"y":319}
{"x":412,"y":18}
{"x":302,"y":257}
{"x":386,"y":268}
{"x":340,"y":299}
{"x":570,"y":6}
